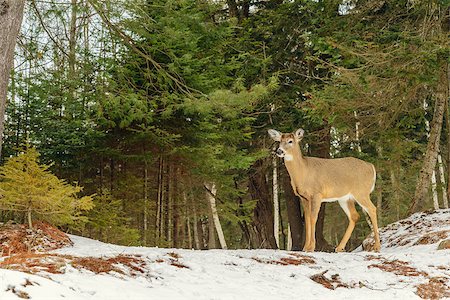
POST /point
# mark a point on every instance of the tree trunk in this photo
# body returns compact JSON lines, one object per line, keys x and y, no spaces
{"x":145,"y":227}
{"x":11,"y":14}
{"x":442,"y":179}
{"x":276,"y":204}
{"x":262,"y":228}
{"x":322,"y":149}
{"x":232,"y":9}
{"x":72,"y":49}
{"x":30,"y":223}
{"x":431,"y":153}
{"x":434,"y":190}
{"x":159,"y":200}
{"x":197,"y":244}
{"x":295,"y":218}
{"x":211,"y":195}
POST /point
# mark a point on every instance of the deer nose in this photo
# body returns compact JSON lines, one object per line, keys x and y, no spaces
{"x":279,"y":152}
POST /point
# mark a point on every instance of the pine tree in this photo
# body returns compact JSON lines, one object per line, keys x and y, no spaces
{"x":26,"y":186}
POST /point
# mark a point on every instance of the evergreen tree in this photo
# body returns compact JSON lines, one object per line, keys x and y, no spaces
{"x":26,"y":186}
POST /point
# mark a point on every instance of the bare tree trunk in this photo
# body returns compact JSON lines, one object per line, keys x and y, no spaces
{"x":262,"y":224}
{"x":434,"y":190}
{"x":295,"y":219}
{"x":159,"y":200}
{"x":289,"y":239}
{"x":322,"y":149}
{"x":447,"y":115}
{"x":433,"y":142}
{"x":169,"y":203}
{"x":72,"y":48}
{"x":442,"y":179}
{"x":11,"y":14}
{"x":276,"y":204}
{"x":395,"y":188}
{"x":145,"y":236}
{"x":379,"y":197}
{"x":232,"y":9}
{"x":210,"y":194}
{"x":195,"y":229}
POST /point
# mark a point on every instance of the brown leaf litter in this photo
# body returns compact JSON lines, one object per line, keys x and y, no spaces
{"x":56,"y":263}
{"x":18,"y":238}
{"x":398,"y":267}
{"x":435,"y":288}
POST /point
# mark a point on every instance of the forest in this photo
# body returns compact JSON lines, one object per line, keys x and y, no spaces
{"x":148,"y":119}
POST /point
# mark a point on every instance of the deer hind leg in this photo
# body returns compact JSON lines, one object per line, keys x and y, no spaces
{"x":348,"y":206}
{"x":371,"y":210}
{"x":315,"y":208}
{"x":306,"y":205}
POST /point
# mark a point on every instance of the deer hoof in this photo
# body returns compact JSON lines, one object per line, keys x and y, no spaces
{"x":376,"y":248}
{"x":339,"y":249}
{"x":308,"y":249}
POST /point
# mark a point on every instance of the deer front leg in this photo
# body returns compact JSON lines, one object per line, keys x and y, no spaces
{"x":306,"y":214}
{"x":315,"y":208}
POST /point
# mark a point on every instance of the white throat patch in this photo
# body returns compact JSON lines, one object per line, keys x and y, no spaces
{"x":288,"y":157}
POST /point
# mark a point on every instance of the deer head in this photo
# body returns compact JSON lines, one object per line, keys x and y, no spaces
{"x":289,"y":142}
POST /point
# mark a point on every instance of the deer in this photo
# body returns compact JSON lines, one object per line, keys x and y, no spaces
{"x":316,"y":180}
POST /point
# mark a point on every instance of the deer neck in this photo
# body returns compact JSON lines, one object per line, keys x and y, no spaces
{"x":295,"y":163}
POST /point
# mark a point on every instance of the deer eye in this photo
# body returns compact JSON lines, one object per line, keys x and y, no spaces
{"x":290,"y":141}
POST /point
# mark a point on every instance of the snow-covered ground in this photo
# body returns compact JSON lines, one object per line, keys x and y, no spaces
{"x":405,"y":265}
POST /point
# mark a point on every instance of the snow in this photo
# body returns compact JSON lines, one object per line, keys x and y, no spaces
{"x":246,"y":274}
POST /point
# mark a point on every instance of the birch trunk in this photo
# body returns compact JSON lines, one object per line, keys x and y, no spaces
{"x":210,"y":194}
{"x":442,"y":179}
{"x":289,"y":239}
{"x":434,"y":190}
{"x":11,"y":14}
{"x":276,"y":204}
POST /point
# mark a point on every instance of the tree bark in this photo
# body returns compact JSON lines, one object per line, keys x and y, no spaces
{"x":322,"y":149}
{"x":211,"y":195}
{"x":431,"y":153}
{"x":295,"y":218}
{"x":11,"y":14}
{"x":232,"y":9}
{"x":276,"y":204}
{"x":262,"y":229}
{"x":442,"y":179}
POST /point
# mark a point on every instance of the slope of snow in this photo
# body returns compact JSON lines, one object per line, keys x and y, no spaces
{"x":394,"y":273}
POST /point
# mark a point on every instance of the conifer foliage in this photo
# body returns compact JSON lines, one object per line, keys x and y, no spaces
{"x":29,"y":187}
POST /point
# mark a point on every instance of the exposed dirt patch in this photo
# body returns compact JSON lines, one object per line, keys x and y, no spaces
{"x":435,"y":288}
{"x":398,"y":267}
{"x":18,"y":238}
{"x":331,"y":283}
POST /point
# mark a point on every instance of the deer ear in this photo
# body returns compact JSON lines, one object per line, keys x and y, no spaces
{"x":275,"y":135}
{"x":299,"y":134}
